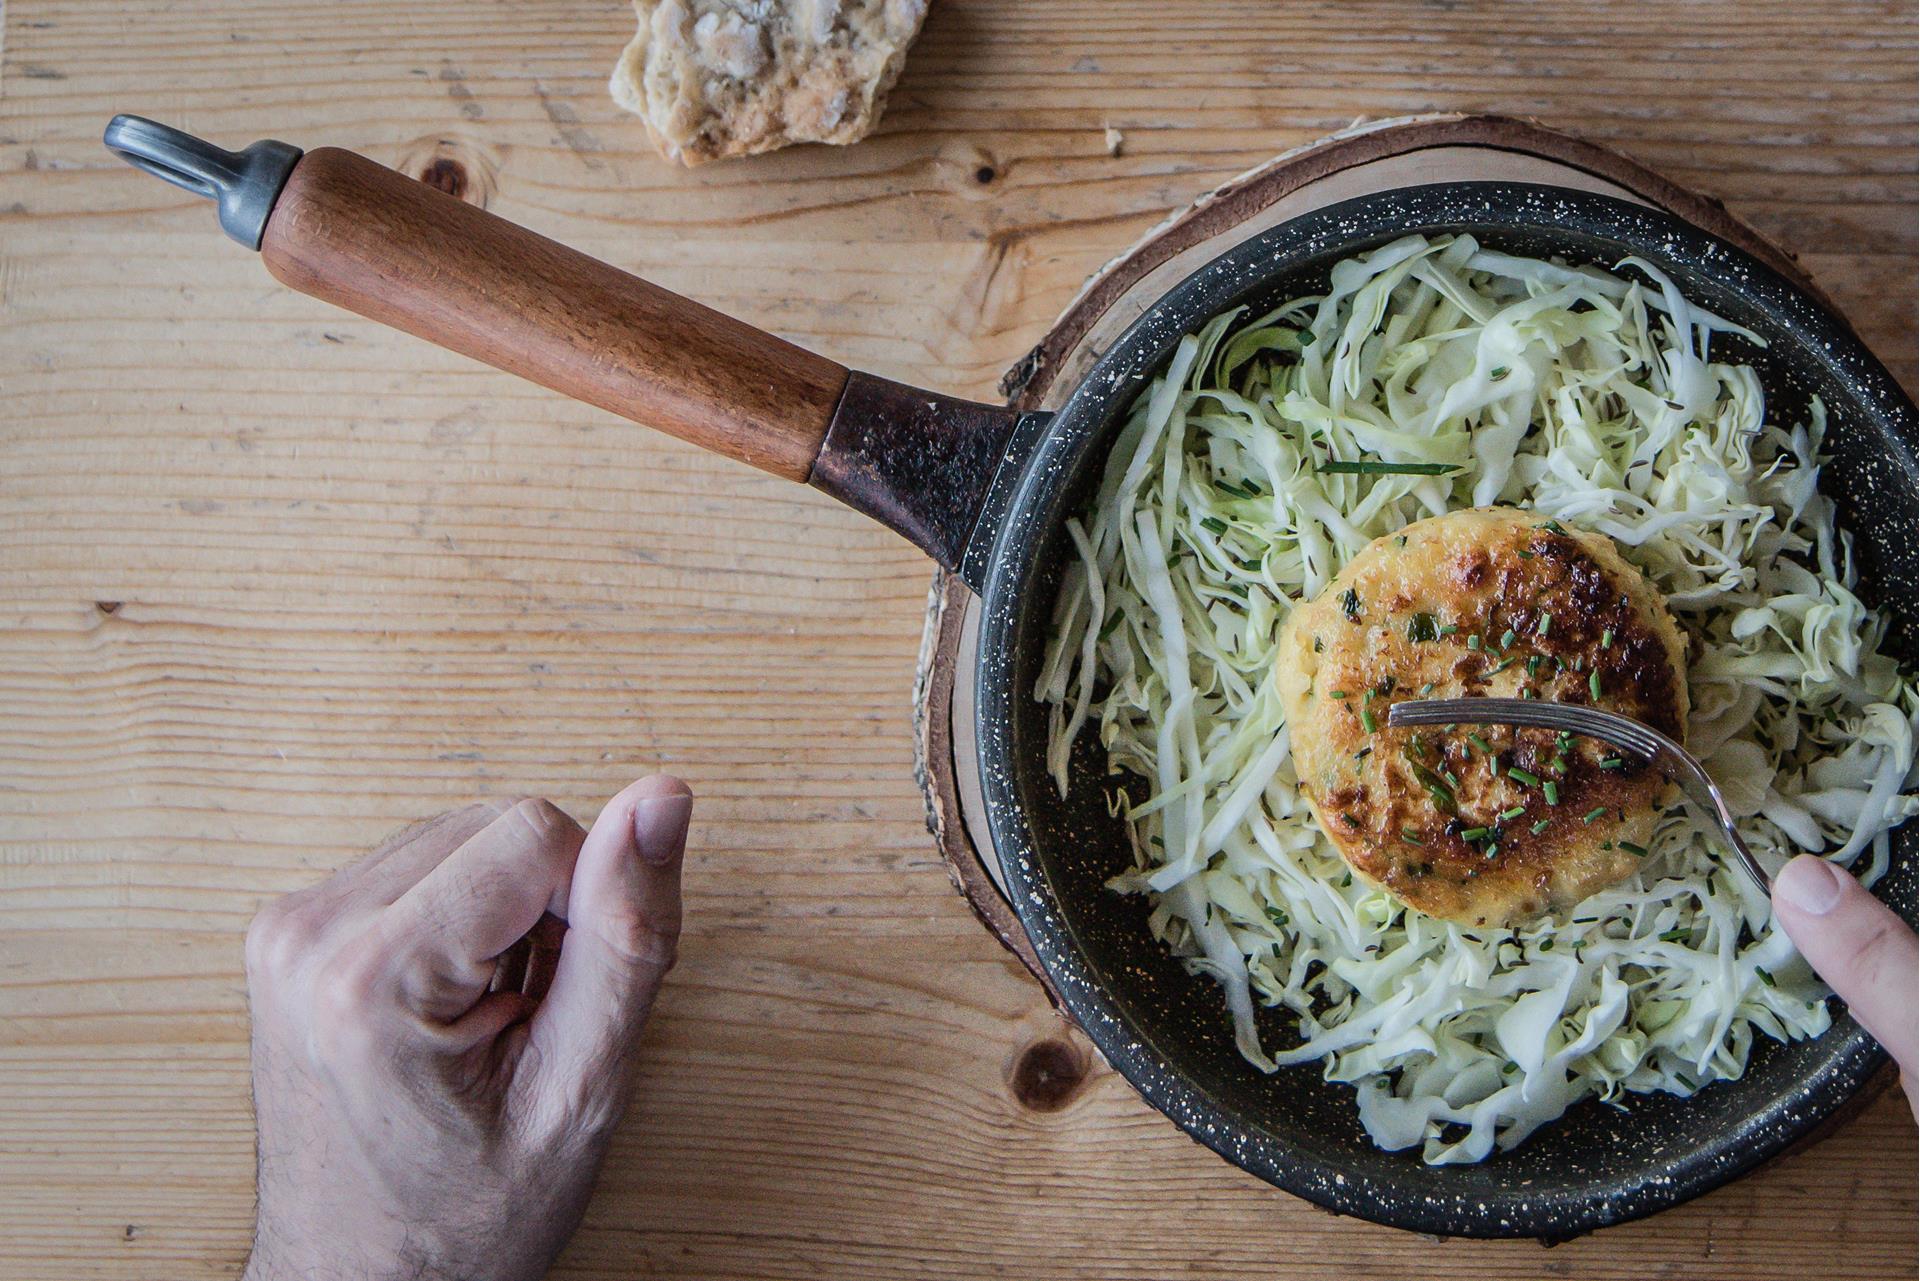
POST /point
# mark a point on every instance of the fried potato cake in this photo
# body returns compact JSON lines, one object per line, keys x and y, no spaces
{"x":1483,"y":825}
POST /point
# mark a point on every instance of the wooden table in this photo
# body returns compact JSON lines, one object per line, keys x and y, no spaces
{"x":274,"y":581}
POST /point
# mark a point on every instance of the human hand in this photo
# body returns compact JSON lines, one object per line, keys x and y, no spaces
{"x":1861,"y":948}
{"x":427,"y":1107}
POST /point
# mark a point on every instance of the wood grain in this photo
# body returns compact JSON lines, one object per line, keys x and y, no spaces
{"x":275,"y":580}
{"x":355,"y":233}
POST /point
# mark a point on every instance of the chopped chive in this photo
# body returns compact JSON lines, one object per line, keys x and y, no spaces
{"x":1427,"y":778}
{"x":1527,"y":692}
{"x":1509,"y":1068}
{"x":1552,"y":789}
{"x":1559,"y":763}
{"x":1346,"y":881}
{"x":1519,"y":775}
{"x":1593,"y":813}
{"x":1374,"y":467}
{"x":1499,"y":371}
{"x":1546,"y":624}
{"x":1525,"y":554}
{"x":1606,"y":638}
{"x":1515,"y":812}
{"x":1683,"y":1078}
{"x":1493,"y":850}
{"x":1473,"y":641}
{"x":1579,"y":662}
{"x":1154,"y":840}
{"x":1765,"y":976}
{"x":1421,"y":627}
{"x":1407,"y":834}
{"x":1306,"y":337}
{"x":1611,"y":762}
{"x":1213,"y":524}
{"x":1350,"y":603}
{"x":1553,"y":525}
{"x":1476,"y":833}
{"x":1533,"y":665}
{"x":1318,"y":645}
{"x":1546,"y":945}
{"x":1674,"y":936}
{"x":1426,"y":689}
{"x":1480,"y":743}
{"x":1508,"y":638}
{"x":1362,"y":754}
{"x":1449,"y":629}
{"x":1542,"y":826}
{"x":1638,"y":851}
{"x":1336,"y":693}
{"x":1441,"y":800}
{"x":1277,"y":916}
{"x":1367,"y":722}
{"x":1503,"y":664}
{"x":1400,"y":541}
{"x":1593,"y":682}
{"x":1452,"y":779}
{"x":1606,"y":845}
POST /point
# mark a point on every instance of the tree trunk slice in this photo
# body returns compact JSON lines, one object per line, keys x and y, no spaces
{"x":1357,"y":161}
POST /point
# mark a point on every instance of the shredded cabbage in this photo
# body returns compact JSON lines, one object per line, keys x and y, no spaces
{"x":1591,"y":398}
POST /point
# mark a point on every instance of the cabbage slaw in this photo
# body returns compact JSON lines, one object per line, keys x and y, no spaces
{"x":1590,"y":398}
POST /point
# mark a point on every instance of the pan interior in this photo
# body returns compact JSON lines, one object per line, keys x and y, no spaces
{"x":1167,"y":1030}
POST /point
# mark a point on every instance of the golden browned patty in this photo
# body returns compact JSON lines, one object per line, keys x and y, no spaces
{"x":1483,"y":825}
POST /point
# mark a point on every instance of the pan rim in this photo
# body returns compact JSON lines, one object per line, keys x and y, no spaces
{"x":1349,"y":226}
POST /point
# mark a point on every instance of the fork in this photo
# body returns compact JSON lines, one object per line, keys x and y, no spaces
{"x":1642,"y":741}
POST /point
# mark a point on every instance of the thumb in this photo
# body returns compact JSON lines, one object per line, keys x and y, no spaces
{"x":1858,"y":945}
{"x":623,"y":928}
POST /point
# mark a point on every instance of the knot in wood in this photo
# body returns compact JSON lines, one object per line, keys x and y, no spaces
{"x":1047,"y":1074}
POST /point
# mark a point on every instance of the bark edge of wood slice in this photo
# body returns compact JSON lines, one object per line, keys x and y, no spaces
{"x":1362,"y":158}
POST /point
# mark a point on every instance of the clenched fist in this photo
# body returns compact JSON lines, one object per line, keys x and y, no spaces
{"x":444,"y":1037}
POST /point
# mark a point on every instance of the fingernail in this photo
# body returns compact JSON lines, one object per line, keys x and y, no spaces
{"x":1809,"y":883}
{"x":660,"y":827}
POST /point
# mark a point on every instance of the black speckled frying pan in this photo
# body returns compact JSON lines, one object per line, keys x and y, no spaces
{"x":985,"y":492}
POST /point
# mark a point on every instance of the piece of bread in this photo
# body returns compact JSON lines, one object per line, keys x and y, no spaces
{"x":716,"y":78}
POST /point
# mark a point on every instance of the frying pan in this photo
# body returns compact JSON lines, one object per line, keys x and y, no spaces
{"x":985,"y":492}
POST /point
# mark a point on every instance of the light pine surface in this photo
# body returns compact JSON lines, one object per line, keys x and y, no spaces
{"x":274,"y":581}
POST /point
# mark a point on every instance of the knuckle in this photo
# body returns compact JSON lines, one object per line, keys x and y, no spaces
{"x":1874,"y":955}
{"x":343,"y":1001}
{"x":640,"y":938}
{"x":541,"y":815}
{"x":280,"y":934}
{"x":550,"y":828}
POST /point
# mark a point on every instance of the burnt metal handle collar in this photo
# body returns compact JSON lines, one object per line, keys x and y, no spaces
{"x":245,"y":184}
{"x":933,"y":468}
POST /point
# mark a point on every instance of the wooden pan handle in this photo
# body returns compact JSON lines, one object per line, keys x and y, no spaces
{"x":408,"y":255}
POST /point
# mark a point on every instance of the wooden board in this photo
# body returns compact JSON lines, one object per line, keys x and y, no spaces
{"x":274,"y":581}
